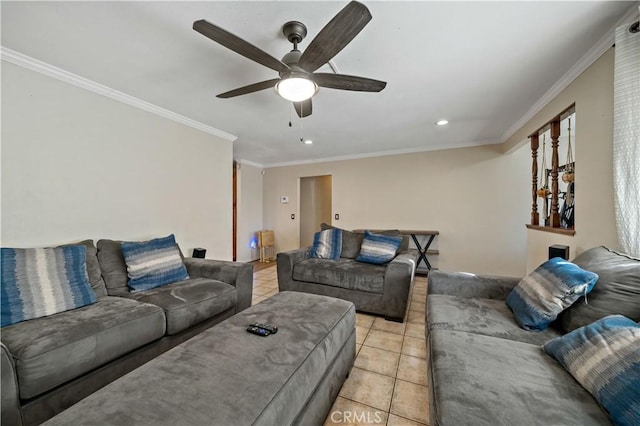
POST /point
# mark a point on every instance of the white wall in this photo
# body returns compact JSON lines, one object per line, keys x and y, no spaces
{"x":477,"y":198}
{"x":249,"y":205}
{"x":592,"y":93}
{"x":78,"y":165}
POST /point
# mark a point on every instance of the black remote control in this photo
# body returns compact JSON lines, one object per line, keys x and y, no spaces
{"x":259,"y":331}
{"x":269,"y":327}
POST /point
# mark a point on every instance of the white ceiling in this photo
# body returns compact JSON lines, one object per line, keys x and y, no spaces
{"x":481,"y":65}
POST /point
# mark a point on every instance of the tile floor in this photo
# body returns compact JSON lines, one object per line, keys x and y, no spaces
{"x":388,"y":382}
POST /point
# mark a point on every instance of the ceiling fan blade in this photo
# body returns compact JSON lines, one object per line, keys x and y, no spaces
{"x":249,"y":89}
{"x":348,"y":82}
{"x":335,"y":36}
{"x":304,"y":108}
{"x":238,"y":45}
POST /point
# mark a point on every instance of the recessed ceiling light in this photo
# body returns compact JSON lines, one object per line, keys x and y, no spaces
{"x":307,"y":142}
{"x":442,"y":122}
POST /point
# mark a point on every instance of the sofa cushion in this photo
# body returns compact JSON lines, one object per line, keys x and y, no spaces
{"x":114,"y":270}
{"x":189,"y":302}
{"x":378,"y":249}
{"x":604,"y":357}
{"x":93,"y":267}
{"x":483,"y":380}
{"x":617,"y":290}
{"x":551,"y":288}
{"x":53,"y":350}
{"x":153,"y":263}
{"x":490,"y":317}
{"x":43,"y":281}
{"x":344,"y":273}
{"x":327,"y":244}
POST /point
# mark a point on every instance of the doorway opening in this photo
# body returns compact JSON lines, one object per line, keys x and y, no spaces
{"x":315,"y":206}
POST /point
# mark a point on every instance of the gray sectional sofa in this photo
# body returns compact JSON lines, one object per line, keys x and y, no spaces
{"x":377,"y":289}
{"x":485,"y":370}
{"x":52,"y":362}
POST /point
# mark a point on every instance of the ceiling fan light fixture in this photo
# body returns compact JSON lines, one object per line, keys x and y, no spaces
{"x":296,"y":89}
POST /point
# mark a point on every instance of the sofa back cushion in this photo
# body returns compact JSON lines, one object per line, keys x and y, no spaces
{"x":93,"y":267}
{"x":114,"y":270}
{"x":153,"y":263}
{"x":617,"y":291}
{"x":552,"y":287}
{"x":40,"y":282}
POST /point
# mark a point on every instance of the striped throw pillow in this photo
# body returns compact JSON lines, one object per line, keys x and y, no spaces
{"x":327,"y":244}
{"x":153,"y":263}
{"x":554,"y":286}
{"x":40,"y":282}
{"x":604,"y":357}
{"x":378,"y":249}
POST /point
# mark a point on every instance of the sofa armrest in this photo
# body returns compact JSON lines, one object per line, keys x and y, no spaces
{"x":238,"y":274}
{"x":398,"y":277}
{"x":11,"y":412}
{"x":469,"y":285}
{"x":285,"y":261}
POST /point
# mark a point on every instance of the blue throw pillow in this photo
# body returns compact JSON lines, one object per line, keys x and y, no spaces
{"x":327,"y":244}
{"x":378,"y":249}
{"x":554,"y":286}
{"x":43,"y":281}
{"x":153,"y":263}
{"x":604,"y":357}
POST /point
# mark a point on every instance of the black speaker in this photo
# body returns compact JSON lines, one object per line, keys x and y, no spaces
{"x":558,"y":250}
{"x":199,"y":253}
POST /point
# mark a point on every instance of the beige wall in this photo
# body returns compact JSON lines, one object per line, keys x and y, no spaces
{"x":592,"y":93}
{"x":249,"y":205}
{"x":477,"y":198}
{"x":78,"y":165}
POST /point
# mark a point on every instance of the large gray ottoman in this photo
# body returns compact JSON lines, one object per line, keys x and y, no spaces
{"x":226,"y":376}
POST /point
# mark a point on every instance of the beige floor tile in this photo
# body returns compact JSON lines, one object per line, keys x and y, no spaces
{"x":415,"y":316}
{"x":257,"y":299}
{"x":417,"y":306}
{"x":270,"y":293}
{"x":366,"y":387}
{"x":383,"y":340}
{"x":394,"y":420}
{"x":358,"y":349}
{"x":389,"y":326}
{"x":361,"y":334}
{"x":378,"y":361}
{"x":413,"y":370}
{"x":410,"y":401}
{"x":364,"y":320}
{"x":415,"y":330}
{"x":414,"y":347}
{"x":347,"y":412}
{"x":261,"y":290}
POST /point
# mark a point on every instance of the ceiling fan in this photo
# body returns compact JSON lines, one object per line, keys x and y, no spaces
{"x":298,"y":81}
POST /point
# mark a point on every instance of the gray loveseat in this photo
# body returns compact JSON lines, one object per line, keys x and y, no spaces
{"x":377,"y":289}
{"x":485,"y":370}
{"x":52,"y":362}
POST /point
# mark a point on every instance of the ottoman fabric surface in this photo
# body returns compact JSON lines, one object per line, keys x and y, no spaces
{"x":227,"y":376}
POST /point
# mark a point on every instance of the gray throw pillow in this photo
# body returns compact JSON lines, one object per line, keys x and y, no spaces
{"x":617,"y":290}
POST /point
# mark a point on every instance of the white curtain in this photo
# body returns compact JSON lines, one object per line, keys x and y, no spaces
{"x":626,"y":140}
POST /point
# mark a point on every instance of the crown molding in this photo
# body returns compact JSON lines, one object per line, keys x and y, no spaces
{"x":578,"y":68}
{"x":250,"y":163}
{"x":383,"y":153}
{"x":49,"y":70}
